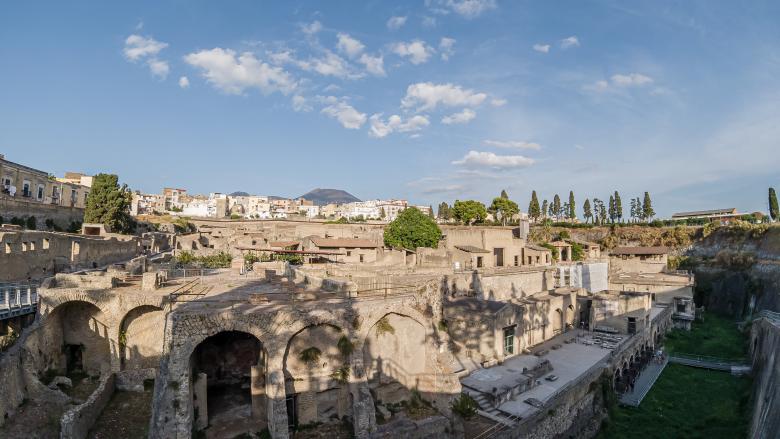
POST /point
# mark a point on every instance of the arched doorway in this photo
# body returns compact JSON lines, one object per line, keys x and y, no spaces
{"x":560,"y":322}
{"x":85,"y":338}
{"x":317,"y":372}
{"x":140,"y":337}
{"x":228,"y":384}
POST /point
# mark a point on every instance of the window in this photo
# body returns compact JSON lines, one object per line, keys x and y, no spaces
{"x":32,"y":245}
{"x":7,"y":248}
{"x":361,"y":258}
{"x":24,"y":246}
{"x":479,"y":261}
{"x":26,"y":189}
{"x":516,"y":261}
{"x":40,"y":192}
{"x":45,"y":243}
{"x":349,"y":253}
{"x":509,"y":340}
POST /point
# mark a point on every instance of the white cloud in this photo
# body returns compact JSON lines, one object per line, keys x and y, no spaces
{"x":631,"y":79}
{"x":184,"y":82}
{"x":158,"y":67}
{"x":466,"y":8}
{"x":465,"y":116}
{"x":620,"y":81}
{"x":572,"y":41}
{"x":477,"y":159}
{"x":429,"y":21}
{"x":498,"y":102}
{"x":395,"y":123}
{"x":417,"y":51}
{"x":512,"y":144}
{"x":544,"y":48}
{"x":311,"y":28}
{"x":373,"y":64}
{"x":350,"y":46}
{"x":346,"y":114}
{"x":138,"y":47}
{"x":233,"y":74}
{"x":299,"y":104}
{"x":330,"y":65}
{"x":395,"y":23}
{"x":446,"y":46}
{"x":427,"y":96}
{"x":447,"y":188}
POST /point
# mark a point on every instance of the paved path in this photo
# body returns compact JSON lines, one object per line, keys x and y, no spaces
{"x":643,"y":384}
{"x":736,"y":368}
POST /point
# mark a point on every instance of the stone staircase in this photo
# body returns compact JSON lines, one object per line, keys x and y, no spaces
{"x":643,"y":384}
{"x":487,"y":410}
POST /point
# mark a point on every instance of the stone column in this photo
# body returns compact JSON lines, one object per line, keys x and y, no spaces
{"x":363,"y":412}
{"x":200,"y":401}
{"x":276,"y":404}
{"x":307,"y":407}
{"x":257,"y":389}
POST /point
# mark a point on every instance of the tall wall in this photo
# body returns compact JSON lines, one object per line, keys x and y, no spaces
{"x":502,"y":285}
{"x":61,"y":215}
{"x":32,"y":254}
{"x":765,"y":350}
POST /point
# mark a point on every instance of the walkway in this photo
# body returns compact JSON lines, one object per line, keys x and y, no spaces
{"x":712,"y":363}
{"x":643,"y":384}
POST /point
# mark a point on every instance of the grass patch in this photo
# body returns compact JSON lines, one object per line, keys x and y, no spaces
{"x":713,"y":337}
{"x":686,"y":402}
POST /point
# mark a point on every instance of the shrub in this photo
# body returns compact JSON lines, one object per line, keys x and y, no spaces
{"x":310,"y":355}
{"x":31,"y":223}
{"x":552,"y":249}
{"x":345,"y":346}
{"x":251,"y":258}
{"x":465,"y":406}
{"x":577,"y":253}
{"x":341,"y":374}
{"x":383,"y":326}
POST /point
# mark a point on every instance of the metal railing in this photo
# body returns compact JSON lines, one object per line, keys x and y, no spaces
{"x":18,"y":299}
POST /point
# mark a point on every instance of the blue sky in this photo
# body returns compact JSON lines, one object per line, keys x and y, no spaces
{"x":425,"y":100}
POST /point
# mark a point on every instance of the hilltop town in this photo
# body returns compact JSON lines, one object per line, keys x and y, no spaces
{"x":180,"y":316}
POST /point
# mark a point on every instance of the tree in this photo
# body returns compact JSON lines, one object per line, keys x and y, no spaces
{"x":647,"y":207}
{"x":109,"y":204}
{"x":430,"y":212}
{"x":544,"y":208}
{"x":504,"y":195}
{"x":612,"y":214}
{"x":469,"y":211}
{"x":600,"y":212}
{"x":556,"y":207}
{"x":774,"y":212}
{"x":412,"y":229}
{"x":444,"y":211}
{"x":572,"y":207}
{"x":533,"y":207}
{"x":633,"y":209}
{"x":504,"y":208}
{"x":587,"y":213}
{"x":639,"y":215}
{"x":382,"y":213}
{"x":618,"y":207}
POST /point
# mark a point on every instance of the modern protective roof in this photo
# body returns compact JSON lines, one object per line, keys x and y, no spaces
{"x":640,"y":250}
{"x":471,"y":249}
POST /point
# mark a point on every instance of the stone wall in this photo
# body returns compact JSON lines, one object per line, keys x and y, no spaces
{"x":35,"y":255}
{"x":76,"y":422}
{"x":765,"y":350}
{"x":61,"y":215}
{"x":503,"y":284}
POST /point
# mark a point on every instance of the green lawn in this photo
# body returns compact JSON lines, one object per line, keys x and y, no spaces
{"x":713,"y":337}
{"x":686,"y":402}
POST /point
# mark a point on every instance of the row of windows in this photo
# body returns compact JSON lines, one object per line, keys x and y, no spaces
{"x":27,"y":246}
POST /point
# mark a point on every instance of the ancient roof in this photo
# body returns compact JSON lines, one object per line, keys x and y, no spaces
{"x":343,"y":242}
{"x":283,"y":244}
{"x":560,"y":244}
{"x":583,"y":242}
{"x":538,"y":248}
{"x":474,"y":304}
{"x":729,"y":211}
{"x":471,"y":249}
{"x":640,"y":251}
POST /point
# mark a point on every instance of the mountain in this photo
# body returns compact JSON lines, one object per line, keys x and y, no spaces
{"x":239,"y":194}
{"x":321,"y":197}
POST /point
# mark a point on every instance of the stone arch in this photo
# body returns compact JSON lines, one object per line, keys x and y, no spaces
{"x":312,"y":364}
{"x":140,"y":337}
{"x":228,"y":382}
{"x":82,"y":332}
{"x":395,"y":351}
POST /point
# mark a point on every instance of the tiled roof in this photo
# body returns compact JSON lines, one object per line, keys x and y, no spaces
{"x":639,"y":251}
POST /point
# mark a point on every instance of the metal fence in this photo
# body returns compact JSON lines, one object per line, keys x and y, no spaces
{"x":17,"y":299}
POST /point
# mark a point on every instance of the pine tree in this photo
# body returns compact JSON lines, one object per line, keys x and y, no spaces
{"x":774,"y":212}
{"x":109,"y":204}
{"x":504,"y":195}
{"x":444,"y":211}
{"x":556,"y":207}
{"x":572,"y":207}
{"x":586,"y":211}
{"x":545,"y":205}
{"x":647,"y":207}
{"x":618,"y":207}
{"x":533,"y":207}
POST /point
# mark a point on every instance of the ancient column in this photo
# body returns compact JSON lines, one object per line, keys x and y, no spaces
{"x":276,"y":404}
{"x":200,"y":401}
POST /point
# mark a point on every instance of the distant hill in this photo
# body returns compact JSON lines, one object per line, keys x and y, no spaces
{"x":239,"y":194}
{"x":321,"y":197}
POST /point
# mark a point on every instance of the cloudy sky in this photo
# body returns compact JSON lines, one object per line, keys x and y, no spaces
{"x":428,"y":100}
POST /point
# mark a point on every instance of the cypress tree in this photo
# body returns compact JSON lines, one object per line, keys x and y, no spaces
{"x":572,"y":207}
{"x":647,"y":207}
{"x":504,"y":195}
{"x":533,"y":207}
{"x":544,"y":208}
{"x":586,"y":211}
{"x":618,"y":207}
{"x":556,"y":207}
{"x":774,"y":212}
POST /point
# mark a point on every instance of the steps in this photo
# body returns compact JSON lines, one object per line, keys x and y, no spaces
{"x":643,"y":384}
